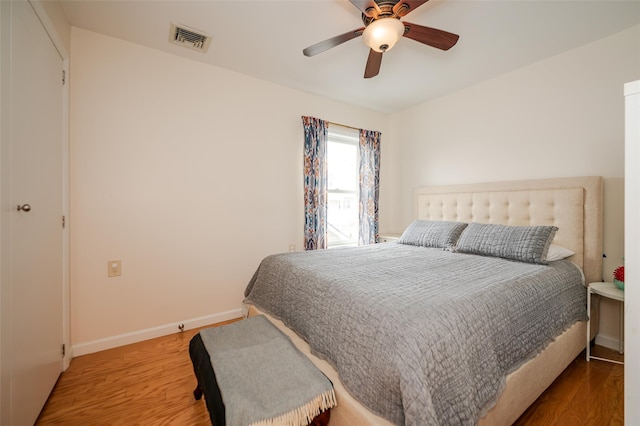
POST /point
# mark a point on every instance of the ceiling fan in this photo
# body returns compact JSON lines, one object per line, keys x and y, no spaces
{"x":382,"y":28}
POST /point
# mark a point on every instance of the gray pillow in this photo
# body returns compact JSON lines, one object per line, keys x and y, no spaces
{"x":523,"y":243}
{"x":427,"y":233}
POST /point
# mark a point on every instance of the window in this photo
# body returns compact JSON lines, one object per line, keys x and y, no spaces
{"x":342,"y":192}
{"x":355,"y":171}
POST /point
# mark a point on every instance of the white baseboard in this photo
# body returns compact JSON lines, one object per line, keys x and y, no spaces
{"x":607,"y":342}
{"x":150,"y":333}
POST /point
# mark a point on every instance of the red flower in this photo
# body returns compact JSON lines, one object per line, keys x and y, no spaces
{"x":618,"y":274}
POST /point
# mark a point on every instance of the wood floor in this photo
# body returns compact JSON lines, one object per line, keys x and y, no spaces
{"x":586,"y":393}
{"x":151,"y":383}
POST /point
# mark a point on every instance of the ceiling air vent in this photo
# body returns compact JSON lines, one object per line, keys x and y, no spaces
{"x":189,"y":37}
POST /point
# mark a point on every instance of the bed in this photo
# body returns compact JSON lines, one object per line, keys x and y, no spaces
{"x":415,"y":380}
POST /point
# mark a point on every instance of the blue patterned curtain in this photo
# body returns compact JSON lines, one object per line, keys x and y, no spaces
{"x":369,"y":152}
{"x":315,"y":183}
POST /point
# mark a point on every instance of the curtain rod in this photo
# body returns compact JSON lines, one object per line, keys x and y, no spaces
{"x":342,"y":125}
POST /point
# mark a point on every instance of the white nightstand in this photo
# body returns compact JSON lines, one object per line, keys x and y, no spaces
{"x":610,"y":291}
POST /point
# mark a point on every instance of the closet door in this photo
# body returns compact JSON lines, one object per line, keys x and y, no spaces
{"x":36,"y":245}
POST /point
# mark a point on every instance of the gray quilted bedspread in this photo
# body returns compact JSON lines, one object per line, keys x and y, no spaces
{"x":421,"y":336}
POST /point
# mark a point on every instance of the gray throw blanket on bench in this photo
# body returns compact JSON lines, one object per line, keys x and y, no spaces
{"x":263,"y":378}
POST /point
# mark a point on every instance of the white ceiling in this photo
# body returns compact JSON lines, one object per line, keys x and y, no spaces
{"x":265,"y":38}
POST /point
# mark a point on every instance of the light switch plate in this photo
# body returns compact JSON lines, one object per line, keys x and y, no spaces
{"x":114,"y":268}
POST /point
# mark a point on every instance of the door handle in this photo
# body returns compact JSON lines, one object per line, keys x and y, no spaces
{"x":24,"y":208}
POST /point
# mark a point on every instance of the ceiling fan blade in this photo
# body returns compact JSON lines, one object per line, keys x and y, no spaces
{"x":430,"y":36}
{"x":332,"y":42}
{"x":373,"y":64}
{"x":364,"y":5}
{"x":403,"y":7}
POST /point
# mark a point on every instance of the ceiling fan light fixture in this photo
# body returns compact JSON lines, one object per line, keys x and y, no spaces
{"x":383,"y":33}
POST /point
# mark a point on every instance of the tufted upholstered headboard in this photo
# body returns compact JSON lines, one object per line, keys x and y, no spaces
{"x":574,"y":205}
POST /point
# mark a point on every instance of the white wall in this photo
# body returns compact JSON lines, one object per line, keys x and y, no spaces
{"x":189,"y":174}
{"x":563,"y":116}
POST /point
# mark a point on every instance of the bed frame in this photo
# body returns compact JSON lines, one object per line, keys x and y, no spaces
{"x":574,"y":205}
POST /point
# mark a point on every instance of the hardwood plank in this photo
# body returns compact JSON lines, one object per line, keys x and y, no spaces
{"x":152,"y":382}
{"x":614,"y":390}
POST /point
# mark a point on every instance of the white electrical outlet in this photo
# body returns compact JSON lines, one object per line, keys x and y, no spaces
{"x":292,"y":247}
{"x":114,"y":268}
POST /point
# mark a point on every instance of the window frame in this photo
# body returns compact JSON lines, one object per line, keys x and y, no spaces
{"x":347,"y":136}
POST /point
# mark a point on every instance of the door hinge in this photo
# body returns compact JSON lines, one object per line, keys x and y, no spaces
{"x":64,"y":350}
{"x":64,"y":221}
{"x":64,"y":77}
